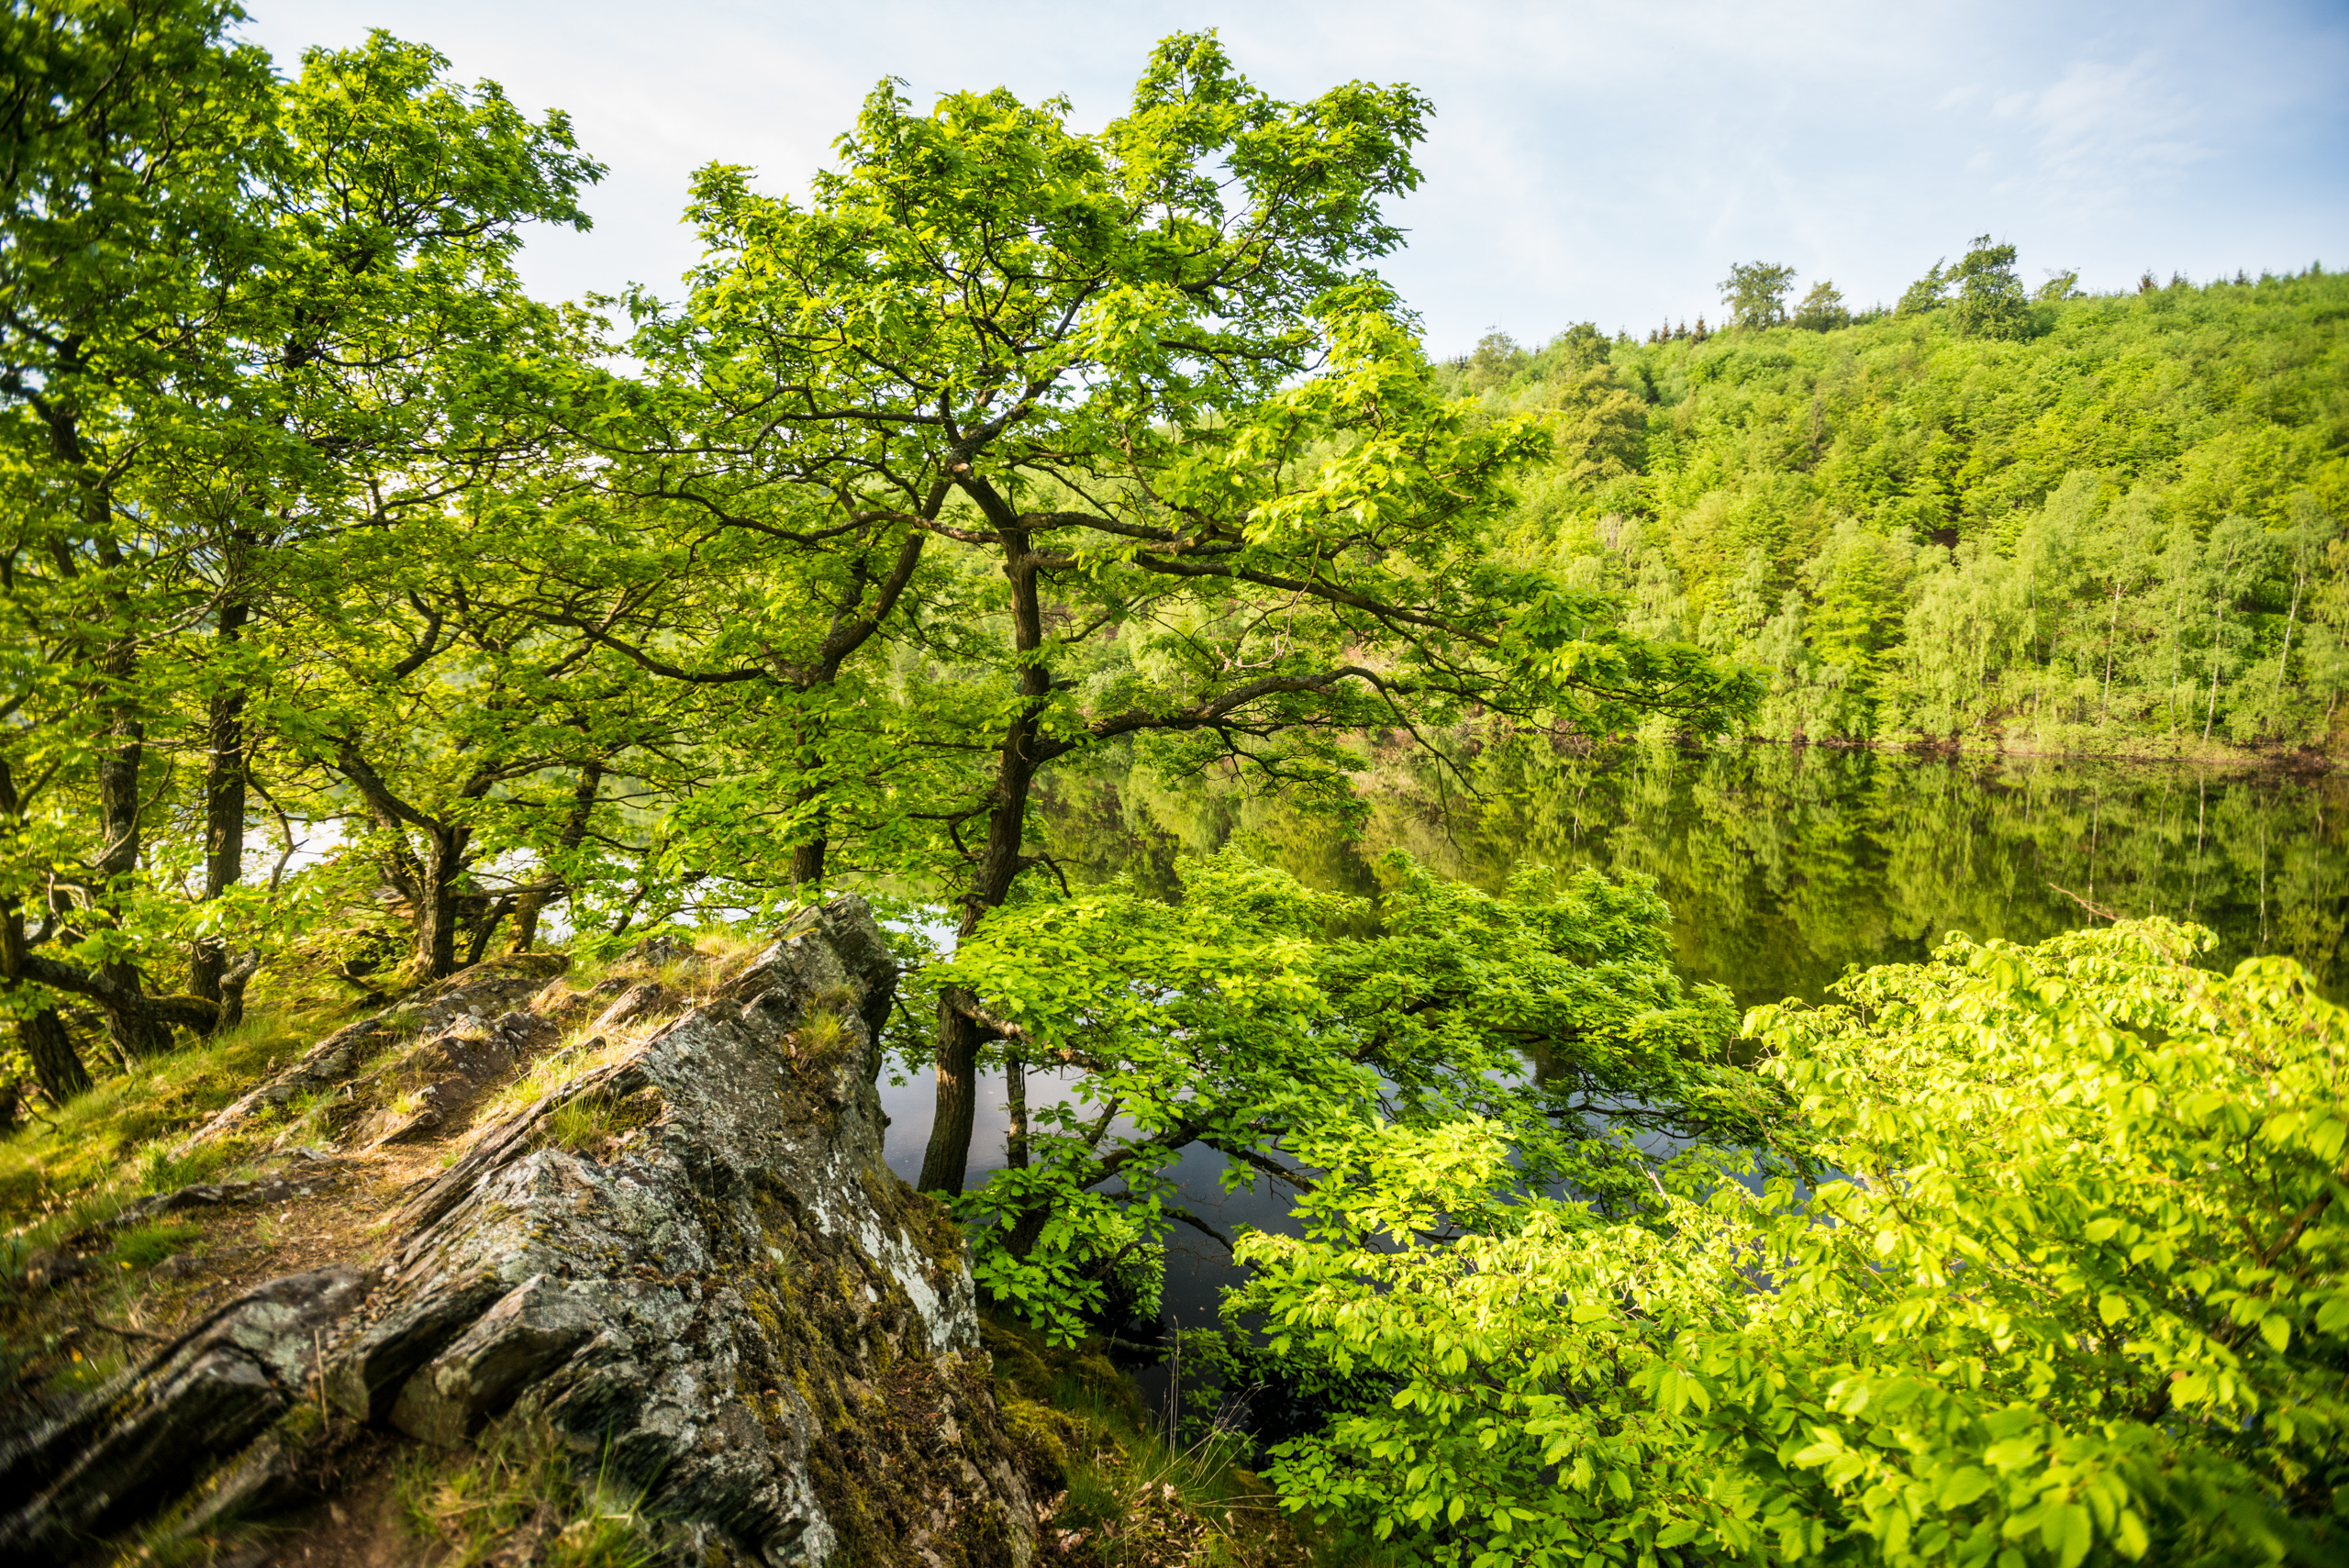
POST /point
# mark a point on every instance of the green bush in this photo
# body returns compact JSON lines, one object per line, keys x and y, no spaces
{"x":2077,"y":1294}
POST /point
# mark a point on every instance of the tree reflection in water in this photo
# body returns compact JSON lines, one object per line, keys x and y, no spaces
{"x":1785,"y":865}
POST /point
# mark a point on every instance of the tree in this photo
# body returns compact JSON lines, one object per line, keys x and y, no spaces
{"x":1928,"y":293}
{"x":1755,"y":293}
{"x":1498,"y":358}
{"x":136,"y":135}
{"x":2079,"y":1297}
{"x":1186,"y":466}
{"x":1258,"y":1018}
{"x":432,"y":710}
{"x":1822,"y":309}
{"x":385,"y":333}
{"x":252,"y":316}
{"x":1581,"y":347}
{"x":1989,"y":302}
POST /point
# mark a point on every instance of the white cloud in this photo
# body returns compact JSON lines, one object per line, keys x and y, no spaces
{"x":2105,"y":133}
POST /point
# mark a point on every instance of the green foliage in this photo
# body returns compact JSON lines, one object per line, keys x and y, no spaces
{"x":266,"y":343}
{"x":1262,"y":1020}
{"x":2076,"y":1293}
{"x":1989,"y":302}
{"x":1755,"y":293}
{"x":1103,"y":438}
{"x":1822,"y":309}
{"x":1496,"y":358}
{"x":1926,"y":293}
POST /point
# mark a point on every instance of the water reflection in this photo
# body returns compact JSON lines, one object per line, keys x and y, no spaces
{"x":1783,"y":867}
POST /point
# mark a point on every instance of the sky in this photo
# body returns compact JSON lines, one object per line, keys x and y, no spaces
{"x":1587,"y":162}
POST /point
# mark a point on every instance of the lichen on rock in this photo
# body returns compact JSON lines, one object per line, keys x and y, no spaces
{"x":723,"y":1294}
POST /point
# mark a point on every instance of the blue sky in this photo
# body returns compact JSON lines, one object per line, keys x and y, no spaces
{"x":1600,"y":162}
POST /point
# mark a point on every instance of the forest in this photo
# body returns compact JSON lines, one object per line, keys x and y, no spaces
{"x":2106,"y":523}
{"x":378,"y":634}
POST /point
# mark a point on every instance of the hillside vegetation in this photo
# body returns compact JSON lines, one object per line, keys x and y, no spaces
{"x":2117,"y":529}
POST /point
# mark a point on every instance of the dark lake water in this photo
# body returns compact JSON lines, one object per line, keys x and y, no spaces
{"x":1783,"y":866}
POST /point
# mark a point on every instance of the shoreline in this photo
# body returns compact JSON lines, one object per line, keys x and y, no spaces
{"x":2299,"y":761}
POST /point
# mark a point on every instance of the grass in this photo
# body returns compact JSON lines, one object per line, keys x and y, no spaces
{"x":144,"y":1246}
{"x":103,"y":1147}
{"x":587,"y":1120}
{"x":1142,"y":1503}
{"x":580,"y":1052}
{"x":716,"y":949}
{"x":1130,"y":1498}
{"x":819,"y":1035}
{"x":521,"y":1496}
{"x":160,"y":1170}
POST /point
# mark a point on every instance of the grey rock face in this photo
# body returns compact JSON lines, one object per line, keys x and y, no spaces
{"x":139,"y":1442}
{"x":702,"y":1289}
{"x":690,"y":1259}
{"x":484,"y":991}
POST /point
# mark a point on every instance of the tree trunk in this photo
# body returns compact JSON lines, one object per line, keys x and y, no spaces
{"x":2218,"y":641}
{"x":2218,"y":638}
{"x":1000,"y":863}
{"x":232,"y":990}
{"x":223,"y":807}
{"x":2299,"y":583}
{"x":1015,"y":1083}
{"x":2111,"y":634}
{"x":135,"y":1033}
{"x":55,"y":1065}
{"x":574,"y":833}
{"x":807,"y":867}
{"x":436,"y":905}
{"x":949,"y":1154}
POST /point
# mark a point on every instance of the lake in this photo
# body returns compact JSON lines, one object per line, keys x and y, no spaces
{"x":1783,"y":867}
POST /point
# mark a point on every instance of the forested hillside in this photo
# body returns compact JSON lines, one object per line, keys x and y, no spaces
{"x":2112,"y":524}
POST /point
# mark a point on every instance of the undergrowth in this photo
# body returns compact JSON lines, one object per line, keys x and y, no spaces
{"x":521,"y":1495}
{"x":1127,"y":1496}
{"x":78,"y":1162}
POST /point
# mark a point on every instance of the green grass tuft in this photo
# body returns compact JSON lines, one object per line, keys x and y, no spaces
{"x":144,"y":1246}
{"x":520,"y":1494}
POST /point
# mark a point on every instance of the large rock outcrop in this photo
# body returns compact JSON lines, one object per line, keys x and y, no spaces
{"x":689,"y":1259}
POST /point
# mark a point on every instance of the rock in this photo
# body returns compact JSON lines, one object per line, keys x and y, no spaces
{"x":633,"y":1004}
{"x":139,"y":1442}
{"x":486,"y":989}
{"x":661,"y":946}
{"x":312,"y":1174}
{"x":690,"y":1261}
{"x":467,"y":1057}
{"x":700,"y":1306}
